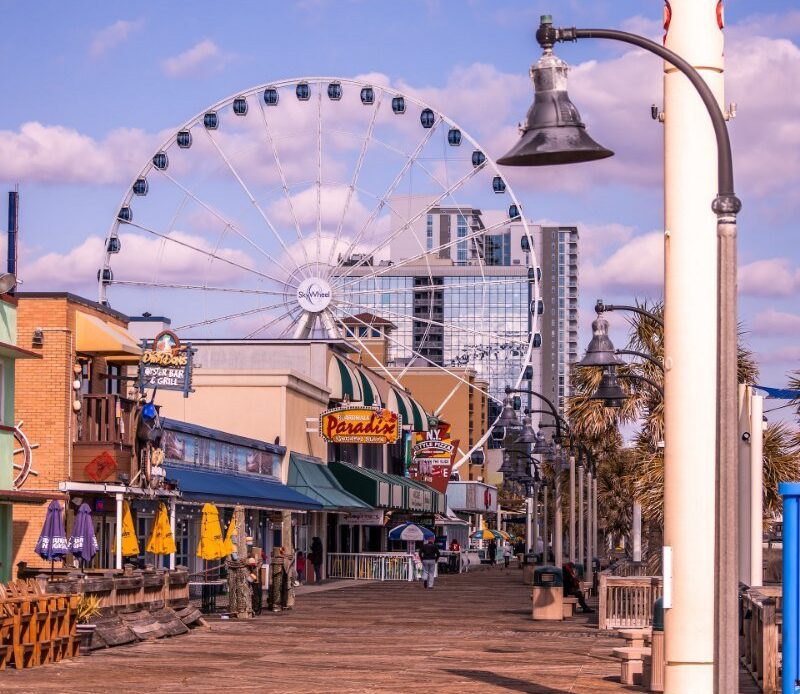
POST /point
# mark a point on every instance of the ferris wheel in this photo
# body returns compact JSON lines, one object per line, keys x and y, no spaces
{"x":332,"y":207}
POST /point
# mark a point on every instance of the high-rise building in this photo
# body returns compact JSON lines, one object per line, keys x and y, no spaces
{"x":467,"y":303}
{"x":557,"y":253}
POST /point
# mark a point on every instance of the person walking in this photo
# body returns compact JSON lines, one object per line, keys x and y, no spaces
{"x":507,"y":553}
{"x":492,"y":551}
{"x":429,"y":555}
{"x":315,"y":556}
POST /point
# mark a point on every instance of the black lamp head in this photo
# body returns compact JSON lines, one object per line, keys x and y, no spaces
{"x":553,"y":132}
{"x":508,"y":417}
{"x":528,"y":435}
{"x":600,"y":351}
{"x":609,"y":390}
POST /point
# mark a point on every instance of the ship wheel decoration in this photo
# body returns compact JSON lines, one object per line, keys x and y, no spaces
{"x":23,"y":457}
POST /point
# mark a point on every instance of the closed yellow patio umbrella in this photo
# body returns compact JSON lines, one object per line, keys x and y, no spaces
{"x":228,"y":543}
{"x":161,"y":540}
{"x":130,"y":544}
{"x":211,"y":545}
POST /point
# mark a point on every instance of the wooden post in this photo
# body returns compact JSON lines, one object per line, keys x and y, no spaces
{"x":601,"y":607}
{"x":769,"y":648}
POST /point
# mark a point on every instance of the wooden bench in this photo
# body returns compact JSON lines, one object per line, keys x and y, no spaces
{"x":631,"y":663}
{"x":569,"y":604}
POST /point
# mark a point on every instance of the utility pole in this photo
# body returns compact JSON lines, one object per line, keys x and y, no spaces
{"x":690,"y":352}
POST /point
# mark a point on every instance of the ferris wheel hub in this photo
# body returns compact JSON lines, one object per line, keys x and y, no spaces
{"x":314,"y":294}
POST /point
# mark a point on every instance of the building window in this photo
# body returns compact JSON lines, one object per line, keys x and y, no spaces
{"x":461,"y":232}
{"x":429,"y":233}
{"x":113,"y":380}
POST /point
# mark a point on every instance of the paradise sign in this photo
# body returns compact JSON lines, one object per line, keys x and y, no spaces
{"x":432,"y":456}
{"x":360,"y":425}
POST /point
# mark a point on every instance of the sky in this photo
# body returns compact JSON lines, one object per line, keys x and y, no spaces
{"x":90,"y":89}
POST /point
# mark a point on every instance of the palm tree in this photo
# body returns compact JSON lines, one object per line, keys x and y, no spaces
{"x":593,"y":424}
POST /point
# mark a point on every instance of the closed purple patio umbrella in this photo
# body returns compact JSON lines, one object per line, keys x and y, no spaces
{"x":83,"y":543}
{"x":52,"y":542}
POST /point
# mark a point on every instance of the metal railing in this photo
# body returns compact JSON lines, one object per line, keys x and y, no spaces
{"x":389,"y":566}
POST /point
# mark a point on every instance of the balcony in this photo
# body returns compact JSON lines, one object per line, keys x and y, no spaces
{"x":103,"y":446}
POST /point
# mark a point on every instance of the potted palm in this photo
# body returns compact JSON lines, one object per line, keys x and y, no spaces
{"x":88,"y":607}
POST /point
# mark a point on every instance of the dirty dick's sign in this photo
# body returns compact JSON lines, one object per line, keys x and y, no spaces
{"x":360,"y":425}
{"x":166,"y":364}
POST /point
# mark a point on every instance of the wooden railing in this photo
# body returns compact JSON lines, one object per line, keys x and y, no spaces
{"x":627,"y":601}
{"x":139,"y":590}
{"x":106,"y":419}
{"x":35,"y":628}
{"x":759,"y":646}
{"x":626,"y":567}
{"x":390,"y":566}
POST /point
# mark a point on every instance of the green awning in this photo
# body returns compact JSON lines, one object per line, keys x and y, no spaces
{"x":343,"y":380}
{"x":411,"y":412}
{"x":375,"y":488}
{"x":369,"y":391}
{"x":310,"y":476}
{"x":388,"y":491}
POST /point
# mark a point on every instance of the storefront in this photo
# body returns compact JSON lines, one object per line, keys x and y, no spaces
{"x":472,"y":501}
{"x":210,"y":466}
{"x":311,"y":477}
{"x":396,"y":499}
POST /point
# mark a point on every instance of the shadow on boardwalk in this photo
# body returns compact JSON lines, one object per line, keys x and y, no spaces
{"x":472,"y":633}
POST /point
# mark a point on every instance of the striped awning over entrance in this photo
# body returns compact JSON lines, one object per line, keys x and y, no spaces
{"x":410,"y":410}
{"x":369,"y":391}
{"x":344,"y":380}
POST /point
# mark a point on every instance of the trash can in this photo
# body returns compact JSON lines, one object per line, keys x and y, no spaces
{"x":548,"y":594}
{"x":655,"y":665}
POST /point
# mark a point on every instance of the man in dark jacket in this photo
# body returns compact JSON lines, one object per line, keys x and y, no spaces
{"x":429,"y":554}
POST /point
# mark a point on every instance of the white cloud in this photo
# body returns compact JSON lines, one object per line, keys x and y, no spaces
{"x":111,"y":36}
{"x":61,"y":155}
{"x":637,"y":266}
{"x":776,"y":323}
{"x":783,"y":355}
{"x":769,"y":277}
{"x":145,"y":260}
{"x":203,"y":58}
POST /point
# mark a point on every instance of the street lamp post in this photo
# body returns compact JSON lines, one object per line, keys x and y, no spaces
{"x":700,"y":495}
{"x":572,"y":556}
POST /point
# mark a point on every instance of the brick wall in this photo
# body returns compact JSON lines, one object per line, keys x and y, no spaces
{"x":43,"y":402}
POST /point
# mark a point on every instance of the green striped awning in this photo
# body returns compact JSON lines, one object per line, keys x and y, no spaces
{"x":343,"y":380}
{"x":411,"y":412}
{"x":372,"y":398}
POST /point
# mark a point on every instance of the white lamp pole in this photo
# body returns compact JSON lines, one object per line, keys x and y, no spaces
{"x":572,"y":508}
{"x":756,"y":490}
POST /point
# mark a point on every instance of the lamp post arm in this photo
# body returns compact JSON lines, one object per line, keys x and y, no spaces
{"x":600,"y":307}
{"x":643,"y":355}
{"x":644,"y":379}
{"x":727,"y":201}
{"x":552,"y":407}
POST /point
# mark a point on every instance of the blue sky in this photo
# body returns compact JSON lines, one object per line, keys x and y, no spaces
{"x":89,"y":88}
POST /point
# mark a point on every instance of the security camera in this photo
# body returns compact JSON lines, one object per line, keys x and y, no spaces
{"x":746,"y":436}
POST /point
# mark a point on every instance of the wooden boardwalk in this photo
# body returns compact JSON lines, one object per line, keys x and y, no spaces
{"x":472,"y":633}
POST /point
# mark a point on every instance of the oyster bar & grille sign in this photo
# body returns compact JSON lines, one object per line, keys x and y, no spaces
{"x":374,"y":425}
{"x":166,"y":364}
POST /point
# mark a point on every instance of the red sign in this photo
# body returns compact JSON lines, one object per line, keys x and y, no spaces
{"x":432,"y":456}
